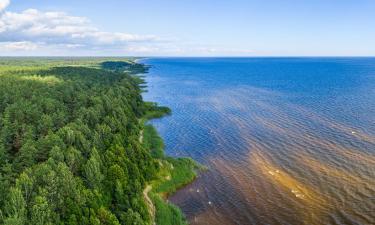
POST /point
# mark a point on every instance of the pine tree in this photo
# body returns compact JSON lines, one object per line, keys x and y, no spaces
{"x":92,"y":170}
{"x":15,"y":208}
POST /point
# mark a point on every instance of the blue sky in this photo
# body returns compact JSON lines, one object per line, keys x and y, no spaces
{"x":188,"y":28}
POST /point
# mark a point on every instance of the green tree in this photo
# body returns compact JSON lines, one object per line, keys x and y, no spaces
{"x":15,"y":208}
{"x":41,"y":212}
{"x":92,"y":170}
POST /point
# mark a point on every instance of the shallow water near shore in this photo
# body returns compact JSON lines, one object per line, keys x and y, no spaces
{"x":286,"y":140}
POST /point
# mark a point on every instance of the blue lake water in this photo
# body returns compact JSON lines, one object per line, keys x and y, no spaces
{"x":286,"y":140}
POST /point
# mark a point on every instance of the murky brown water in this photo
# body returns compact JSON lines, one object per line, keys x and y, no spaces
{"x":271,"y":159}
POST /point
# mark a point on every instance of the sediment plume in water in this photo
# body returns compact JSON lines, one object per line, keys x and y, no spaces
{"x":306,"y":150}
{"x":274,"y":157}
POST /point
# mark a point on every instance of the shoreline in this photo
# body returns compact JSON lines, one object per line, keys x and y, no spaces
{"x":174,"y":173}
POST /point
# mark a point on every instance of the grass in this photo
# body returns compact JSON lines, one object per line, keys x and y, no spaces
{"x":174,"y":173}
{"x":154,"y":111}
{"x":152,"y":141}
{"x":166,"y":213}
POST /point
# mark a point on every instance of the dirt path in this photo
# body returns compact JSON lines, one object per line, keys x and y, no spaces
{"x":150,"y":204}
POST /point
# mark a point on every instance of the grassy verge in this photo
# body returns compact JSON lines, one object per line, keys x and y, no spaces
{"x":166,"y":213}
{"x":154,"y":111}
{"x":174,"y":173}
{"x":152,"y":141}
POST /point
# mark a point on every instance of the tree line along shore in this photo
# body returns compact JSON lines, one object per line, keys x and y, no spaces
{"x":76,"y":146}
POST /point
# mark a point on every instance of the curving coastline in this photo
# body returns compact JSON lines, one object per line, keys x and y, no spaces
{"x":173,"y":174}
{"x":279,"y":150}
{"x":76,"y":148}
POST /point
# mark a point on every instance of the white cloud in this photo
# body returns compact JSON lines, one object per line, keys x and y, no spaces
{"x":35,"y":32}
{"x":61,"y":29}
{"x":4,"y":4}
{"x":58,"y":27}
{"x":18,"y":46}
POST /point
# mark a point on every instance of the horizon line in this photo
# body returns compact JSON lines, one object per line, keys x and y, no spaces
{"x":221,"y":56}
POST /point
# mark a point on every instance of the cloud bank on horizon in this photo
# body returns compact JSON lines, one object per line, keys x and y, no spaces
{"x":34,"y":32}
{"x":57,"y":33}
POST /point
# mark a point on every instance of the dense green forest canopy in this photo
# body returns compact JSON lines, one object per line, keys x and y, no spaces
{"x":70,"y":151}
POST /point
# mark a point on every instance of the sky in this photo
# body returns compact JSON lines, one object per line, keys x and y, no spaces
{"x":187,"y":28}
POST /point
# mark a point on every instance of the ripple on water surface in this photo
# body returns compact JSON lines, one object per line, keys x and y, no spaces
{"x":280,"y":149}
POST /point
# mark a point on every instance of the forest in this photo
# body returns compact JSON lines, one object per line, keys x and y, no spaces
{"x":76,"y":146}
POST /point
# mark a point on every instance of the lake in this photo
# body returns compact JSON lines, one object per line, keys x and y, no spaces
{"x":285,"y":140}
